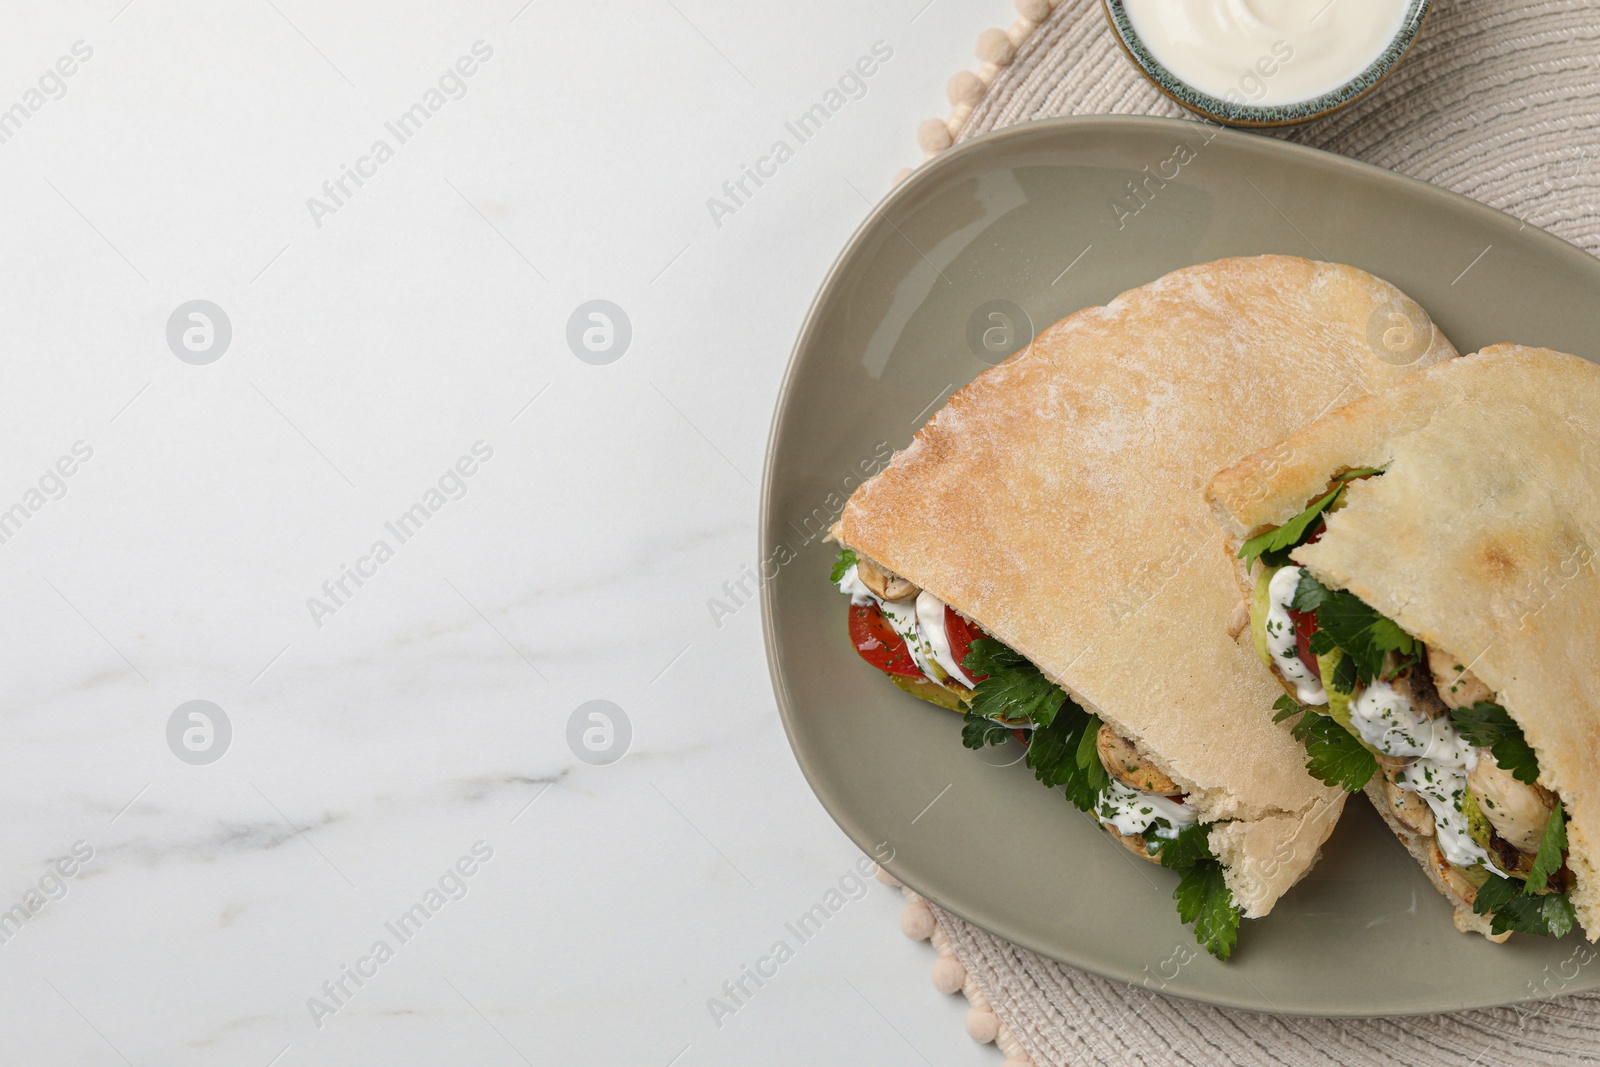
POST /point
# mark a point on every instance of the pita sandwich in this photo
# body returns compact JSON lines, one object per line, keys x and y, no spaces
{"x":1041,"y":557}
{"x":1442,"y":613}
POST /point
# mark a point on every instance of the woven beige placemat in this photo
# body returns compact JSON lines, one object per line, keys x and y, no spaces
{"x":1499,"y":101}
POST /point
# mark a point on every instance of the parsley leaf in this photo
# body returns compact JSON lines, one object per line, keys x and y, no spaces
{"x":1551,"y":846}
{"x":846,"y":560}
{"x":1362,"y":633}
{"x":1016,"y":690}
{"x":1488,"y":725}
{"x":1203,"y":899}
{"x":1087,"y":752}
{"x":1053,"y":754}
{"x":1310,"y":594}
{"x":1335,"y":756}
{"x":1547,"y":915}
{"x":1344,"y":675}
{"x":1061,"y":748}
{"x":1274,"y":546}
{"x":1187,"y":849}
{"x":978,"y":732}
{"x":1286,"y":706}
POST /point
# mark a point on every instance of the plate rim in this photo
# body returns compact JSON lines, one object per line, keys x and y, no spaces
{"x":870,"y":225}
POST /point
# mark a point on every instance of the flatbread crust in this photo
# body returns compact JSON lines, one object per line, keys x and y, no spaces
{"x":1057,"y":501}
{"x":1478,"y":539}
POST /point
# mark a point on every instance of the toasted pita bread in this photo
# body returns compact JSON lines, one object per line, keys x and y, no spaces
{"x":1057,"y":502}
{"x":1478,"y":539}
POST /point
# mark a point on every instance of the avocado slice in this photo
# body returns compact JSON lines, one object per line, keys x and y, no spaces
{"x":1478,"y":827}
{"x":933,"y":693}
{"x":1260,"y":604}
{"x":1338,"y":700}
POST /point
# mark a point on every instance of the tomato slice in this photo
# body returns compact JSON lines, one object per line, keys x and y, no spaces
{"x":961,"y":633}
{"x":878,"y":644}
{"x":1304,"y":626}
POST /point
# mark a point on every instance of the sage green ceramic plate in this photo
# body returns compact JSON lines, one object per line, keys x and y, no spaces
{"x":1043,"y":218}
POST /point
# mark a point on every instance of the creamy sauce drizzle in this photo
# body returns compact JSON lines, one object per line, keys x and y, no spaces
{"x":1130,"y":812}
{"x":920,"y":622}
{"x":1266,"y":52}
{"x":1281,"y":640}
{"x":1387,"y":721}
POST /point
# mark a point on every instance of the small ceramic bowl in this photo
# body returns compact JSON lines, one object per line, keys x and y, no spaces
{"x":1247,"y":114}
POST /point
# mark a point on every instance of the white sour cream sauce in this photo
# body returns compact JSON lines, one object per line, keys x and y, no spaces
{"x":1266,"y":51}
{"x":1387,"y":721}
{"x":919,"y":622}
{"x":1281,"y":640}
{"x":1130,"y":812}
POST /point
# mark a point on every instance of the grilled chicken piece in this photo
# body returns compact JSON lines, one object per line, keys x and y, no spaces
{"x":1409,"y":809}
{"x":1460,"y":887}
{"x":1124,"y":763}
{"x":1456,"y":686}
{"x":1133,"y":843}
{"x":1519,"y":812}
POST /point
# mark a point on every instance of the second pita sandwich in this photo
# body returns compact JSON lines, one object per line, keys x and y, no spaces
{"x":1421,"y":571}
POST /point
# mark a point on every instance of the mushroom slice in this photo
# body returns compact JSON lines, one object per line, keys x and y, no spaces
{"x":1519,"y":812}
{"x":1417,"y":686}
{"x":1457,"y":686}
{"x":1124,"y":763}
{"x":886,"y":584}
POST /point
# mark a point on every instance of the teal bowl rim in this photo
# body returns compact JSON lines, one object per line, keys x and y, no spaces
{"x":1245,"y":114}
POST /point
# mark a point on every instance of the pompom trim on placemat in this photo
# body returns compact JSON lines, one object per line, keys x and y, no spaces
{"x":995,"y":50}
{"x":950,"y":976}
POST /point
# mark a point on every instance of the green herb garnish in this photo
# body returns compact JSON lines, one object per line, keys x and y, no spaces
{"x":1018,"y":692}
{"x":1490,"y":726}
{"x":1273,"y":546}
{"x":978,"y":732}
{"x":1346,"y":622}
{"x":846,"y":560}
{"x":1015,"y":691}
{"x":1187,"y":849}
{"x":1335,"y":756}
{"x":1203,"y":899}
{"x":1547,"y":915}
{"x":1552,"y":847}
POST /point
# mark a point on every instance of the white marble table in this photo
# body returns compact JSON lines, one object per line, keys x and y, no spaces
{"x":394,"y":531}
